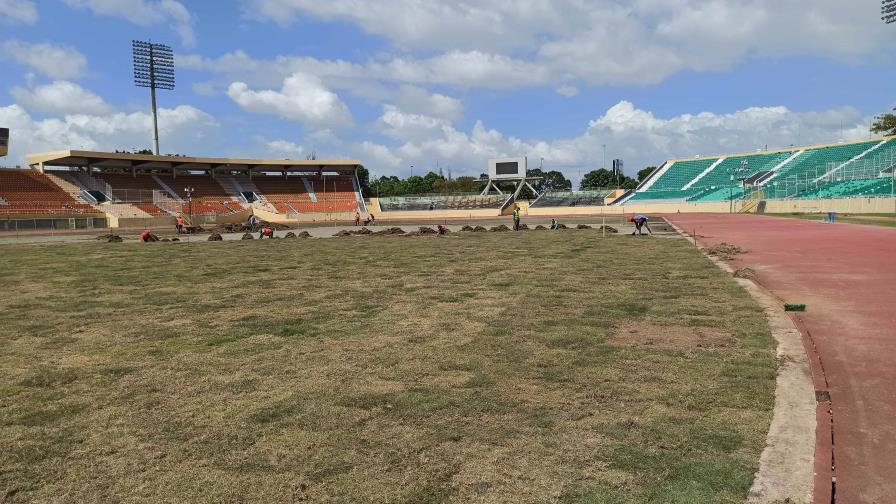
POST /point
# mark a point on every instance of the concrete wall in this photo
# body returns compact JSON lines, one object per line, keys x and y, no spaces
{"x":439,"y":214}
{"x":845,"y":205}
{"x":635,"y":208}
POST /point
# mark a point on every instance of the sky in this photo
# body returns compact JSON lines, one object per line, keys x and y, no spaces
{"x":406,"y":86}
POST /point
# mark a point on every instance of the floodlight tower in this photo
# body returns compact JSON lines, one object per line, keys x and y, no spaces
{"x":153,"y":69}
{"x":888,"y":11}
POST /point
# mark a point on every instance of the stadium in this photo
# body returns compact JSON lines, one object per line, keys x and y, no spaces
{"x":211,"y":328}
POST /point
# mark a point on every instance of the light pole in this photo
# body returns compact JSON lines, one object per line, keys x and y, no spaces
{"x":735,"y":173}
{"x":888,"y":11}
{"x":605,"y":156}
{"x":189,"y":192}
{"x":153,"y":69}
{"x":412,"y":171}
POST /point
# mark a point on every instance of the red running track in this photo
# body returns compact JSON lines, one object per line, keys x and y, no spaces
{"x":845,"y":274}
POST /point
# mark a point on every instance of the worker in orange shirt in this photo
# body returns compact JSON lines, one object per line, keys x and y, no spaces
{"x":180,"y":224}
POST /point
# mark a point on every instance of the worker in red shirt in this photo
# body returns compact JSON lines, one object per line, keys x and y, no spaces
{"x":266,"y":231}
{"x":146,"y":236}
{"x":180,"y":224}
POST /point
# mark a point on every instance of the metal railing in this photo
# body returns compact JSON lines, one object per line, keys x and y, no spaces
{"x":829,"y":174}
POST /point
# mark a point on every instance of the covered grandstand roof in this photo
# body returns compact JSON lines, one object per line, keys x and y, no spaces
{"x":73,"y":159}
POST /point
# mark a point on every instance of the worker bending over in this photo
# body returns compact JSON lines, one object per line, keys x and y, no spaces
{"x":640,"y":221}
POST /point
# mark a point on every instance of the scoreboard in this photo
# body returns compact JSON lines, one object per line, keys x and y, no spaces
{"x":508,"y":168}
{"x":4,"y":141}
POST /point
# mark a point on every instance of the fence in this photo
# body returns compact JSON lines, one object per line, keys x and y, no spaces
{"x":51,"y":224}
{"x":821,"y":176}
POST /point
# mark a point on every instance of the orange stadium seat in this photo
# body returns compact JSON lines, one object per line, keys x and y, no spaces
{"x":29,"y":191}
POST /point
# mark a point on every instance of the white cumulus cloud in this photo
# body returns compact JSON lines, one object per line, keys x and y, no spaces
{"x":285,"y":148}
{"x":145,"y":13}
{"x":302,"y":98}
{"x":18,"y":11}
{"x":181,"y":130}
{"x":58,"y":62}
{"x":598,"y":41}
{"x":61,"y":97}
{"x":635,"y":135}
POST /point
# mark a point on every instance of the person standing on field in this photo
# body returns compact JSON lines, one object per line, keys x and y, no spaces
{"x":180,"y":224}
{"x":516,"y":219}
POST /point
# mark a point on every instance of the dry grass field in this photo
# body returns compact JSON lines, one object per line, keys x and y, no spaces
{"x":535,"y":367}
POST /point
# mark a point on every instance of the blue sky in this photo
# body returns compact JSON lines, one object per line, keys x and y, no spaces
{"x":405,"y":82}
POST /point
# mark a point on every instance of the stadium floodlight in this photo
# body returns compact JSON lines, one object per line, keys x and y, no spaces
{"x":153,"y":69}
{"x":888,"y":11}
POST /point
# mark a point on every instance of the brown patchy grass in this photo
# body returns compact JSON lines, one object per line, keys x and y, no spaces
{"x":669,"y":336}
{"x":377,"y":369}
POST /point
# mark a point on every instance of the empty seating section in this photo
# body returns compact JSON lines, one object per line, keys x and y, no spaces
{"x":651,"y":195}
{"x":151,"y":209}
{"x":817,"y":162}
{"x":29,"y":191}
{"x":209,"y":197}
{"x":128,"y":188}
{"x":718,"y":194}
{"x":442,"y":202}
{"x":849,"y":189}
{"x":681,"y":173}
{"x":721,"y":174}
{"x":288,"y":195}
{"x":870,"y":165}
{"x":822,"y":172}
{"x":205,"y":188}
{"x":572,"y":198}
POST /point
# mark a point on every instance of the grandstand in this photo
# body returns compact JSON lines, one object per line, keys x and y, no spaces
{"x":442,"y":202}
{"x":853,"y":169}
{"x":145,"y":186}
{"x":573,"y":198}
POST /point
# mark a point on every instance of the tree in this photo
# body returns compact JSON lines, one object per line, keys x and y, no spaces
{"x":643,"y":174}
{"x":884,"y":124}
{"x":597,"y":179}
{"x":364,"y":181}
{"x":554,"y":181}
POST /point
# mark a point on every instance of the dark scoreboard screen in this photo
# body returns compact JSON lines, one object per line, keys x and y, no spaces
{"x":507,"y":168}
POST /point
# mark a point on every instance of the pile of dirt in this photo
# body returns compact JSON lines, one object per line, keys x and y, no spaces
{"x":215,"y":237}
{"x":540,"y":228}
{"x":423,"y":230}
{"x":499,"y":229}
{"x":412,"y":233}
{"x":290,"y":235}
{"x":725,"y":251}
{"x":175,"y":239}
{"x":583,"y":226}
{"x":523,"y":227}
{"x":239,"y":227}
{"x":165,"y":239}
{"x":479,"y":229}
{"x":304,"y":234}
{"x":247,"y":236}
{"x":467,"y":228}
{"x":343,"y":234}
{"x":608,"y":229}
{"x":747,"y":273}
{"x":562,"y":226}
{"x":362,"y":231}
{"x":111,"y":238}
{"x":391,"y":231}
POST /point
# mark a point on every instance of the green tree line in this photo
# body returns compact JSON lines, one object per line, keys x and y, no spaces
{"x":433,"y":183}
